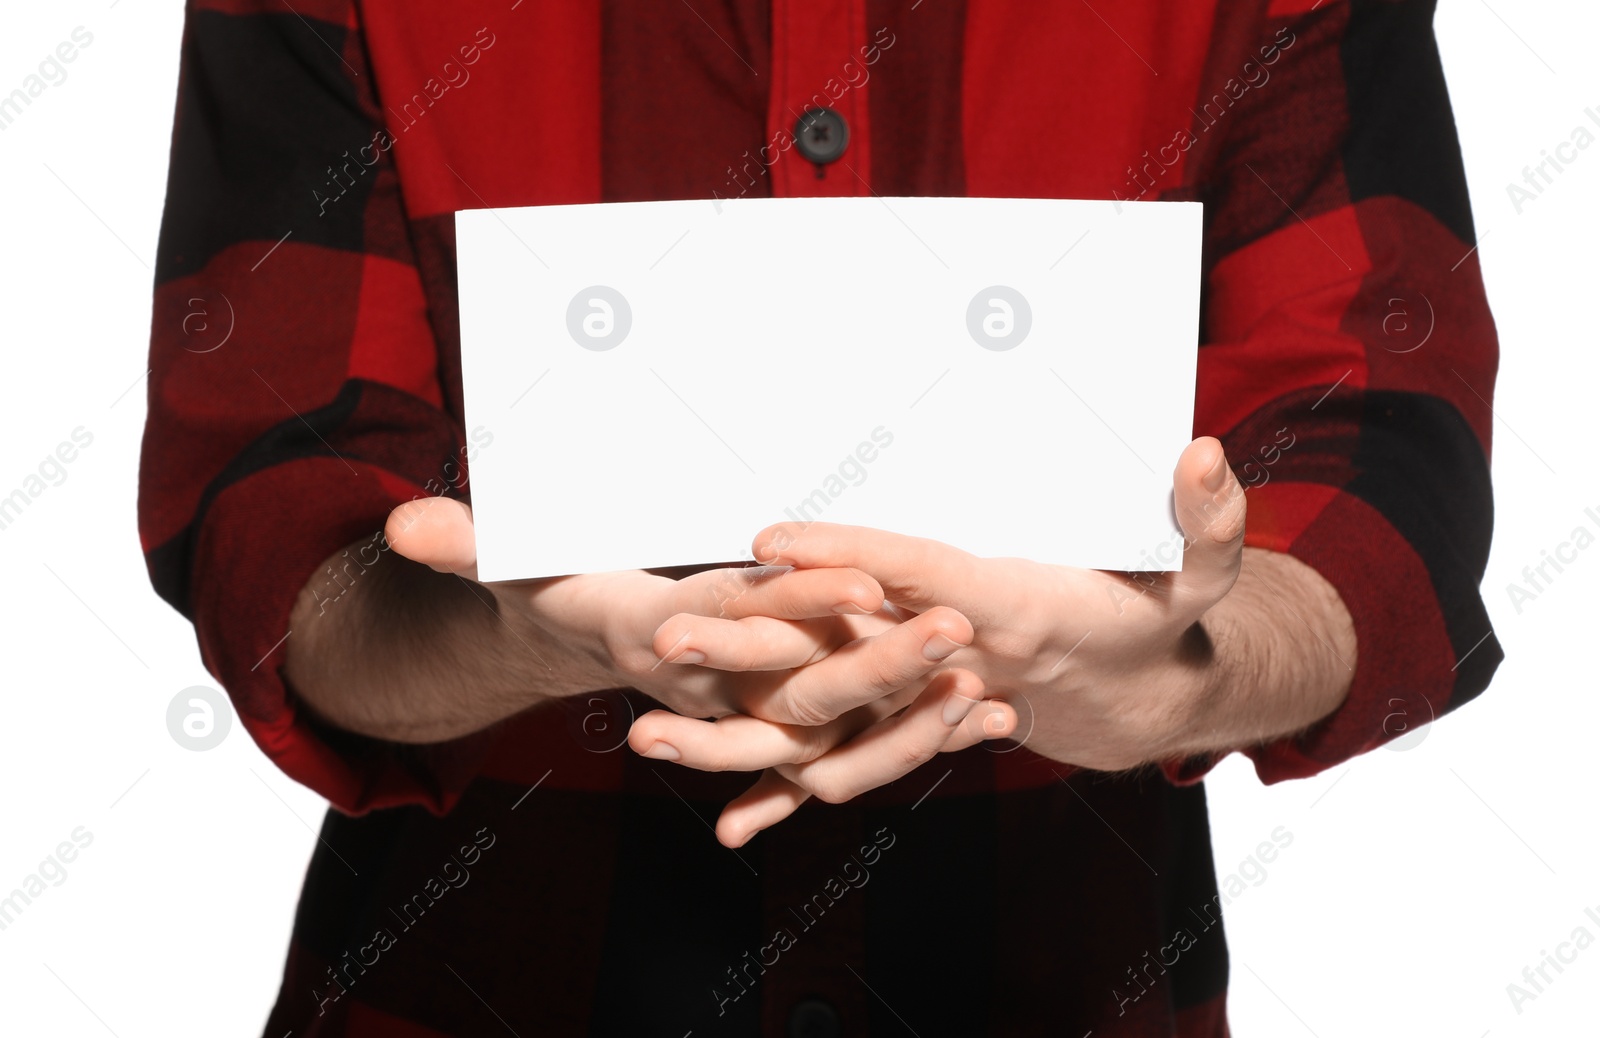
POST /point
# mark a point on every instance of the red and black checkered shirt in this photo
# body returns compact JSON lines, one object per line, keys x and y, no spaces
{"x":540,"y":878}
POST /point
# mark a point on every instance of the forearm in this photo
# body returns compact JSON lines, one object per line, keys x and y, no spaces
{"x":405,"y":653}
{"x":1278,"y":655}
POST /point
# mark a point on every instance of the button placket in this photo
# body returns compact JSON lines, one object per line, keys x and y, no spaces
{"x":814,"y":106}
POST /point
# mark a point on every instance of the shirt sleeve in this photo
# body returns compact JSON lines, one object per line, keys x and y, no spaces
{"x":294,"y":391}
{"x":1349,"y":356}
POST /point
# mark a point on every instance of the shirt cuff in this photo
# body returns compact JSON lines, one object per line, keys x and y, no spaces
{"x":1406,"y":672}
{"x":262,"y":539}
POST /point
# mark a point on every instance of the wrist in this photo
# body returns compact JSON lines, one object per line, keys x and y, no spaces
{"x":1197,"y":678}
{"x":1273,"y":657}
{"x":599,"y":624}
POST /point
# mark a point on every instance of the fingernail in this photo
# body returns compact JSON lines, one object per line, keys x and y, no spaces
{"x":1219,"y":472}
{"x":663,"y":751}
{"x":956,"y":708}
{"x":938,"y":647}
{"x":689,"y":656}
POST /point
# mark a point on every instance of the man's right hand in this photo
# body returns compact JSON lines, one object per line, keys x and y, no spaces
{"x":801,"y":647}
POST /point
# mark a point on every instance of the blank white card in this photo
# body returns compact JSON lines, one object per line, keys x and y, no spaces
{"x":661,"y":380}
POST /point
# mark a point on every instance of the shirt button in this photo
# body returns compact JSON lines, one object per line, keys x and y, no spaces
{"x":820,"y":135}
{"x":813,"y":1018}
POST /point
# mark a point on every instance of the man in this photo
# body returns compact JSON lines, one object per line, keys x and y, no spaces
{"x":499,"y":860}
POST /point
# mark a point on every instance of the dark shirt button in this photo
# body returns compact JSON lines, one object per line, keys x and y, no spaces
{"x":813,"y":1018}
{"x":820,"y":135}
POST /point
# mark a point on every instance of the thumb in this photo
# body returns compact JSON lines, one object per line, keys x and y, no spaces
{"x":1209,"y":501}
{"x":436,"y":532}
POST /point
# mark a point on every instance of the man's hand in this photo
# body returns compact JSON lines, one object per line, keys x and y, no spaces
{"x":1110,"y":670}
{"x":835,"y":762}
{"x":1114,"y":664}
{"x":477,"y":653}
{"x":1124,"y":669}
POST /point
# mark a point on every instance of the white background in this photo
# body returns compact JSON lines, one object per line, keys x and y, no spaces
{"x":1417,"y":887}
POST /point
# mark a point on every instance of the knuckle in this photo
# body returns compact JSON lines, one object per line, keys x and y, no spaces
{"x":828,"y":788}
{"x":808,"y":713}
{"x":780,"y":539}
{"x":813,"y":743}
{"x":888,"y":669}
{"x":1231,"y":522}
{"x":1226,"y":523}
{"x":632,"y":661}
{"x":914,"y":753}
{"x":881,"y":680}
{"x":857,"y":584}
{"x":913,"y":587}
{"x":823,"y":650}
{"x":798,"y":708}
{"x":669,"y":637}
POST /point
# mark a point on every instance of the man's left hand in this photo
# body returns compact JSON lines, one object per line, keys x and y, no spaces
{"x":1105,"y":670}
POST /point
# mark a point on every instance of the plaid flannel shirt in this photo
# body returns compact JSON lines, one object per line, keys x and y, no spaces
{"x":539,"y":877}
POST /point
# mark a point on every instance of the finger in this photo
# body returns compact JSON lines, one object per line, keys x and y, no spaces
{"x":780,"y":592}
{"x":893,"y":747}
{"x":753,"y":643}
{"x":992,"y":719}
{"x":1210,"y":505}
{"x":736,"y":742}
{"x":913,"y":571}
{"x":436,"y":532}
{"x":772,"y":799}
{"x":865,"y":670}
{"x":761,"y":642}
